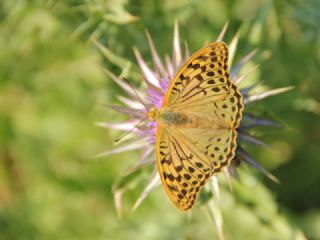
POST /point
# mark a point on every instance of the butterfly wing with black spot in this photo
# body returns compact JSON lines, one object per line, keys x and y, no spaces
{"x":185,"y":165}
{"x":203,"y":78}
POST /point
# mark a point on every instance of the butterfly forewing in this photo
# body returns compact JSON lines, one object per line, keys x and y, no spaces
{"x":204,"y":77}
{"x":225,"y":112}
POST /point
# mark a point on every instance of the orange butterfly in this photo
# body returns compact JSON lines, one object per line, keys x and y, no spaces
{"x":196,"y":134}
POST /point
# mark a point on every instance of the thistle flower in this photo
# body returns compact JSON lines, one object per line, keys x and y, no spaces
{"x":156,"y":82}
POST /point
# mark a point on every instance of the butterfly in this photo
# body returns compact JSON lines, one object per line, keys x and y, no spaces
{"x":196,"y":125}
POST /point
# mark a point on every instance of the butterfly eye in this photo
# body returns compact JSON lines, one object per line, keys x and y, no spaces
{"x":153,"y":114}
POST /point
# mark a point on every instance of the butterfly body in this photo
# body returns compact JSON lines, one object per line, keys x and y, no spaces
{"x":196,"y":125}
{"x":184,"y":119}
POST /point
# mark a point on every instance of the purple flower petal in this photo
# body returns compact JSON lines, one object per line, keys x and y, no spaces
{"x":228,"y":177}
{"x":176,"y":58}
{"x":233,"y":48}
{"x":121,"y":83}
{"x":187,"y":56}
{"x":144,"y":160}
{"x":149,"y":75}
{"x":223,"y":32}
{"x":156,"y":59}
{"x":154,"y":182}
{"x":128,"y":147}
{"x":252,"y":140}
{"x":249,"y":160}
{"x":127,"y":111}
{"x":242,"y":62}
{"x":130,"y":103}
{"x":118,"y":126}
{"x":251,"y":121}
{"x":239,"y":79}
{"x":118,"y":201}
{"x":259,"y":96}
{"x":170,"y":68}
{"x":232,"y":170}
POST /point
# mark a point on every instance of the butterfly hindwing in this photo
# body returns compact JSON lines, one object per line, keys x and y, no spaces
{"x":185,"y":165}
{"x":217,"y":145}
{"x":178,"y":167}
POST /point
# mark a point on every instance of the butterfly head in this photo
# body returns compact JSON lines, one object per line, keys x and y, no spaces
{"x":153,"y":114}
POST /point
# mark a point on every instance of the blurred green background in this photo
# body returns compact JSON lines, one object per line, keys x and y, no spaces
{"x":51,"y":85}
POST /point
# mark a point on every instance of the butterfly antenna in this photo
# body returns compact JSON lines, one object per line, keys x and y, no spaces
{"x":130,"y":131}
{"x":135,"y":91}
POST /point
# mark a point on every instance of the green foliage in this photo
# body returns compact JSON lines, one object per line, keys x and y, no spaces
{"x":51,"y":85}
